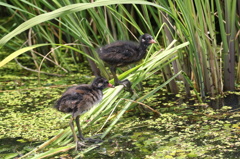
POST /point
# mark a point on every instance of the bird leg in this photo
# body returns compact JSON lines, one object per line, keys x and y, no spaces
{"x":73,"y":132}
{"x":126,"y":83}
{"x":116,"y":80}
{"x":80,"y":133}
{"x":72,"y":128}
{"x":79,"y":128}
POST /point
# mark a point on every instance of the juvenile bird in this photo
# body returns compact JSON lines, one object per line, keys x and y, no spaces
{"x":122,"y":53}
{"x":79,"y":99}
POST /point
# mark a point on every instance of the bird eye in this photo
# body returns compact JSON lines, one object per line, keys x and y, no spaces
{"x":100,"y":84}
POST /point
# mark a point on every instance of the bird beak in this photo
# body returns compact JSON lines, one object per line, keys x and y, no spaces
{"x":152,"y":41}
{"x":110,"y":85}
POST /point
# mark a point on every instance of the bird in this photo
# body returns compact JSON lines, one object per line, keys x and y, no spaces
{"x":77,"y":100}
{"x":122,"y":53}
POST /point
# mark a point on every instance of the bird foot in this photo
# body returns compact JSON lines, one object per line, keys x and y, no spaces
{"x":90,"y":140}
{"x":86,"y":143}
{"x":95,"y":141}
{"x":80,"y":145}
{"x":127,"y":84}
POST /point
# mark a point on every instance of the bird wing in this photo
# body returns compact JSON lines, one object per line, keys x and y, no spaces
{"x":68,"y":102}
{"x":71,"y":98}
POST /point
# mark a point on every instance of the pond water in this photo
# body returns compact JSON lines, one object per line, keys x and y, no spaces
{"x":184,"y":129}
{"x":139,"y":133}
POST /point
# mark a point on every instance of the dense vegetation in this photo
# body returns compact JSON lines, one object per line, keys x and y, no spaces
{"x":196,"y":56}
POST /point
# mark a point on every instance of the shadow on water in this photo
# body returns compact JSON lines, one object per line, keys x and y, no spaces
{"x":231,"y":100}
{"x":15,"y":147}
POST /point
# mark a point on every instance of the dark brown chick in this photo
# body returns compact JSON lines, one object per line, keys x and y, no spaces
{"x":79,"y":99}
{"x":122,"y":53}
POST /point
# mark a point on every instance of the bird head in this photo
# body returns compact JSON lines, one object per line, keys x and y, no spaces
{"x":146,"y":40}
{"x":101,"y":83}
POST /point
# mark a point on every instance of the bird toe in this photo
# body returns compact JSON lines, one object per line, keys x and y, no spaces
{"x":127,"y":84}
{"x":95,"y":141}
{"x":80,"y":145}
